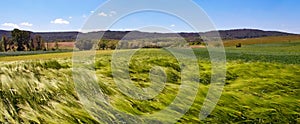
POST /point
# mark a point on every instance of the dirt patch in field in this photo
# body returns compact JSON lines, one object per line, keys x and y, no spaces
{"x":63,"y":45}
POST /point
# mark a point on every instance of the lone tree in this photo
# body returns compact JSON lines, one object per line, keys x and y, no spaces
{"x":20,"y":38}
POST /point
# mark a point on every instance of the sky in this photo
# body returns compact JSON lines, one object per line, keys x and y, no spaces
{"x":71,"y":15}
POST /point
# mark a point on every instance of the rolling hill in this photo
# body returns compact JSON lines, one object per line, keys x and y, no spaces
{"x":117,"y":35}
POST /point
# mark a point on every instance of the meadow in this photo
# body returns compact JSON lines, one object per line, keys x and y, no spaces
{"x":262,"y":86}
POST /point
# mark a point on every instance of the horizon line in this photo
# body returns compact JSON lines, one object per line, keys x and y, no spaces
{"x":132,"y":30}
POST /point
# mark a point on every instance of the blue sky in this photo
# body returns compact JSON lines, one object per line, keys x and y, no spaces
{"x":70,"y":15}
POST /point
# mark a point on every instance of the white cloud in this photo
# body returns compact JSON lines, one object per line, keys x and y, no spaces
{"x":102,"y":14}
{"x":60,"y":21}
{"x":84,"y":16}
{"x":70,"y":17}
{"x":10,"y":25}
{"x":26,"y":24}
{"x":92,"y":11}
{"x":172,"y":25}
{"x":111,"y":13}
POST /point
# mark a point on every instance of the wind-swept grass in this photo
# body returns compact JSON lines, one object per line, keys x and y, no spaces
{"x":256,"y":91}
{"x":31,"y":93}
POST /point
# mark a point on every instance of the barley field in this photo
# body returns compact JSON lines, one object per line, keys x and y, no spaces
{"x":262,"y":86}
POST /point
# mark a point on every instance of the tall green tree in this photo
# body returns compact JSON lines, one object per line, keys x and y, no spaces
{"x":32,"y":48}
{"x":39,"y":42}
{"x":1,"y":46}
{"x":16,"y":38}
{"x":21,"y":38}
{"x":26,"y":39}
{"x":5,"y":42}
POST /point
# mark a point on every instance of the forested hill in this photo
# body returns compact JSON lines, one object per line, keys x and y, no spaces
{"x":225,"y":34}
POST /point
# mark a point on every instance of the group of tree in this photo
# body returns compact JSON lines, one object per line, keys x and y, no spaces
{"x":86,"y":44}
{"x":106,"y":44}
{"x":22,"y":41}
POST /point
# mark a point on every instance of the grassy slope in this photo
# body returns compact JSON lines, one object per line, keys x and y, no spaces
{"x":263,"y":40}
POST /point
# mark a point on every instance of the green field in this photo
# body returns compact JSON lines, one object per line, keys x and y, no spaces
{"x":262,"y":86}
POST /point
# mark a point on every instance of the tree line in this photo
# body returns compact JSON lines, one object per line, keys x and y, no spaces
{"x":105,"y":44}
{"x":22,"y":41}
